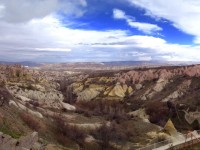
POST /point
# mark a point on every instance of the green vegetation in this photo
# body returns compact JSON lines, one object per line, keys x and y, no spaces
{"x":7,"y":129}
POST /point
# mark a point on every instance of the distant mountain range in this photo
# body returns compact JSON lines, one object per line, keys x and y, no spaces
{"x":111,"y":63}
{"x":130,"y":63}
{"x":24,"y":63}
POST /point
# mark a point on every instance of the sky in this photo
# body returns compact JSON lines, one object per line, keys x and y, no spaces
{"x":99,"y":30}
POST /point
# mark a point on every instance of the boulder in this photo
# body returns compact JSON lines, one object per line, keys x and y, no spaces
{"x":68,"y":106}
{"x":138,"y":86}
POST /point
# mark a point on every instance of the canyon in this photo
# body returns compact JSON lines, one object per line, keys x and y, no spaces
{"x":74,"y":108}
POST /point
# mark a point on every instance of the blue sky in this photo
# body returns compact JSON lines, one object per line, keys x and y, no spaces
{"x":99,"y":30}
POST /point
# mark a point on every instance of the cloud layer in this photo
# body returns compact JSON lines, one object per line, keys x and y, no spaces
{"x":39,"y":34}
{"x":183,"y":14}
{"x":47,"y":39}
{"x":25,"y":10}
{"x":144,"y":27}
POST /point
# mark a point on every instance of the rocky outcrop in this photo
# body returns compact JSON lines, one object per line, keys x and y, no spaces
{"x":139,"y":76}
{"x":130,"y":90}
{"x":24,"y":108}
{"x":68,"y":106}
{"x":120,"y":85}
{"x":47,"y":99}
{"x":118,"y":91}
{"x":190,"y":117}
{"x":27,"y":142}
{"x":88,"y":94}
{"x":77,"y":87}
{"x":181,"y":89}
{"x":91,"y":92}
{"x":158,"y":87}
{"x":140,"y":113}
{"x":94,"y":90}
{"x":160,"y":84}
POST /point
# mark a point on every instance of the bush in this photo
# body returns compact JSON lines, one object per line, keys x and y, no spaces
{"x":105,"y":134}
{"x":110,"y":133}
{"x":158,"y":112}
{"x":113,"y":110}
{"x":30,"y":121}
{"x":65,"y":132}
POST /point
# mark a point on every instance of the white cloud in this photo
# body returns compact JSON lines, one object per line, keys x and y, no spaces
{"x":144,"y":27}
{"x":53,"y":49}
{"x":25,"y":10}
{"x":119,"y":14}
{"x":184,"y":14}
{"x":48,"y":39}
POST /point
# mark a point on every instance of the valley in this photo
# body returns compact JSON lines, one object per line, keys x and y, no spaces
{"x":79,"y":107}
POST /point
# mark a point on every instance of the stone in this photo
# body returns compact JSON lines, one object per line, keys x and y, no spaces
{"x":28,"y":141}
{"x":23,"y":98}
{"x":138,"y":86}
{"x":89,"y":139}
{"x":68,"y":106}
{"x":144,"y":98}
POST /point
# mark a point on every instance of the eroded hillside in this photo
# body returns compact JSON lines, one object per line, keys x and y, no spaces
{"x":98,"y":109}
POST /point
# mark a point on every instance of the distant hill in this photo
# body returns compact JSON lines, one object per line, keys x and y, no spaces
{"x":142,"y":63}
{"x":99,"y":65}
{"x":24,"y":63}
{"x":112,"y":65}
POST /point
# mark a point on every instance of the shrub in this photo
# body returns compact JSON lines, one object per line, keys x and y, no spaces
{"x":111,"y":109}
{"x":158,"y":112}
{"x":110,"y":133}
{"x":30,"y":121}
{"x":105,"y":135}
{"x":65,"y":132}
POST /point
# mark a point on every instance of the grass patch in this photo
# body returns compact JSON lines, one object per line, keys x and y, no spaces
{"x":7,"y":129}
